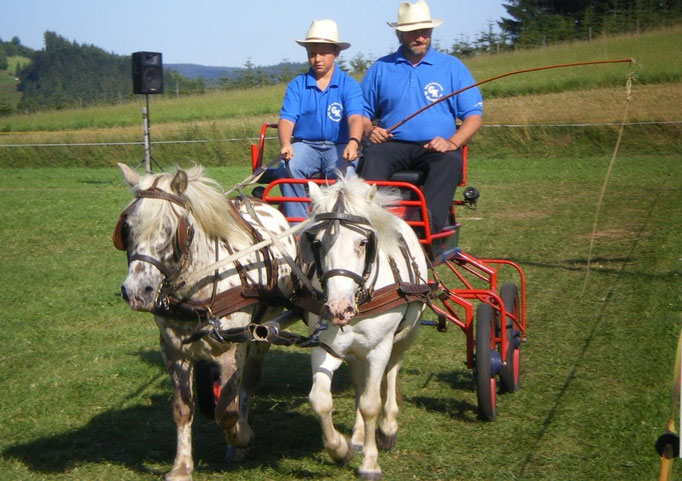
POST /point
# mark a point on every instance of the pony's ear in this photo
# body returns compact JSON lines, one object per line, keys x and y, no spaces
{"x":314,"y":192}
{"x":179,"y":182}
{"x":130,"y":176}
{"x":372,"y":192}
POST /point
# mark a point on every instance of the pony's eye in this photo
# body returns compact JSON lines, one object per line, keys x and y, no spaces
{"x":363,"y":243}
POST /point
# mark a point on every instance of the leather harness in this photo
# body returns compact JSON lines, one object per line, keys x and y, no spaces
{"x":248,"y":293}
{"x":368,"y":300}
{"x":219,"y":304}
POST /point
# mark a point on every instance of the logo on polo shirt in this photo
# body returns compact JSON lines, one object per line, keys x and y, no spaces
{"x":433,"y":91}
{"x":335,"y":112}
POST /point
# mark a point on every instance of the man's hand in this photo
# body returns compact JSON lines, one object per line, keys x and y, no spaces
{"x":350,"y":153}
{"x":284,"y":130}
{"x":378,"y":135}
{"x":286,"y":152}
{"x":439,"y":144}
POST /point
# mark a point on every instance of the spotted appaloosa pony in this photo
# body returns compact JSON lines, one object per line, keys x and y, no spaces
{"x":360,"y":248}
{"x":173,"y":228}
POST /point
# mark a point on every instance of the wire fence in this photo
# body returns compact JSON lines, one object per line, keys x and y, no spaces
{"x":253,"y":139}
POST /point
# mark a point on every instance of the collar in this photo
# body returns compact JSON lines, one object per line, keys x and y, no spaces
{"x":428,"y":58}
{"x":311,"y":82}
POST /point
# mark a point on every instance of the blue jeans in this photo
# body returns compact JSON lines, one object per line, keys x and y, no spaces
{"x":309,"y":158}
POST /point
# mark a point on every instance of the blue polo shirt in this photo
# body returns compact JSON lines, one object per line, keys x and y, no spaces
{"x":322,"y":115}
{"x":394,"y":89}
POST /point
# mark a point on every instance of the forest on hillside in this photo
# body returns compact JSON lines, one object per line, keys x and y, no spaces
{"x":539,"y":22}
{"x":67,"y":74}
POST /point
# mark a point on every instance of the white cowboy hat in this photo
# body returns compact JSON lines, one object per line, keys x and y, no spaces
{"x":323,"y":31}
{"x":414,"y":16}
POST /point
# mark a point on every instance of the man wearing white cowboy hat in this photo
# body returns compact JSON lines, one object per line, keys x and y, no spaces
{"x":320,"y":123}
{"x":398,"y":85}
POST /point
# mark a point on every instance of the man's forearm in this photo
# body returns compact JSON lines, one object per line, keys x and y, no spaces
{"x":466,"y":130}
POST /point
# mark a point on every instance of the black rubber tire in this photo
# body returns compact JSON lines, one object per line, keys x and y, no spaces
{"x":510,"y":373}
{"x":206,"y":374}
{"x":485,"y":379}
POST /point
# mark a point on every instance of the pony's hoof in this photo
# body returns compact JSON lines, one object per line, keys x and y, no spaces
{"x":178,"y":475}
{"x":235,"y":455}
{"x":384,"y":442}
{"x":369,"y":475}
{"x":350,"y":451}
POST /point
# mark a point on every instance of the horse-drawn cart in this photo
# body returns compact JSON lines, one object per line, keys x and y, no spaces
{"x":224,"y":278}
{"x":487,"y":301}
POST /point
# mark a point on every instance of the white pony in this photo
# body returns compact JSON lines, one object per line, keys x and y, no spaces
{"x":182,"y":224}
{"x":361,"y":254}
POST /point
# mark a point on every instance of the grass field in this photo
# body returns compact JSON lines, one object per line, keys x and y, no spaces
{"x":84,"y":395}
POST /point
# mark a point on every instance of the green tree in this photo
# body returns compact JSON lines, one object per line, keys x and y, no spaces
{"x":343,"y":65}
{"x":285,"y":73}
{"x":359,"y":64}
{"x":463,"y":48}
{"x":537,"y":22}
{"x":247,"y":77}
{"x":3,"y":58}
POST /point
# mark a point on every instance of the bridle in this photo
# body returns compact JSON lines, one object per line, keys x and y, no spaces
{"x":183,"y":237}
{"x":331,"y":222}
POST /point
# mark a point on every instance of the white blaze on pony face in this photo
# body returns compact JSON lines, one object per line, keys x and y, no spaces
{"x":345,"y":249}
{"x":348,"y":252}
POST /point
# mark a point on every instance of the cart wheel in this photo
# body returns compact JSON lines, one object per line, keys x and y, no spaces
{"x":486,"y":360}
{"x":509,"y":374}
{"x":207,"y":386}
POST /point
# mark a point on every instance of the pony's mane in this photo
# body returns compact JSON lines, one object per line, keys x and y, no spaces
{"x":206,"y":204}
{"x":357,"y":201}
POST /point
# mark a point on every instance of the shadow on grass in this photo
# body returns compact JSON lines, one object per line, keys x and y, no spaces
{"x":449,"y":404}
{"x":609,"y":266}
{"x":144,"y":435}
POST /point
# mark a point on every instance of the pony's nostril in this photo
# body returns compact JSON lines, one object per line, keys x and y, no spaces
{"x":148,"y":289}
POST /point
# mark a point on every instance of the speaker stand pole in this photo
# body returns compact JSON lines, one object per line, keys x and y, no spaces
{"x":147,"y":142}
{"x":147,"y":145}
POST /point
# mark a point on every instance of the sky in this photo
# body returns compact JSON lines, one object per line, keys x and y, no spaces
{"x":227,"y":33}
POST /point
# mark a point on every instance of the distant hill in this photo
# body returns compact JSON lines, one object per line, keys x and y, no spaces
{"x":194,"y":71}
{"x":66,"y":74}
{"x":53,"y":77}
{"x":211,"y":74}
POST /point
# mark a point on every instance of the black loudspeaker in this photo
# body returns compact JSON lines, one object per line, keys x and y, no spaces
{"x":147,"y":73}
